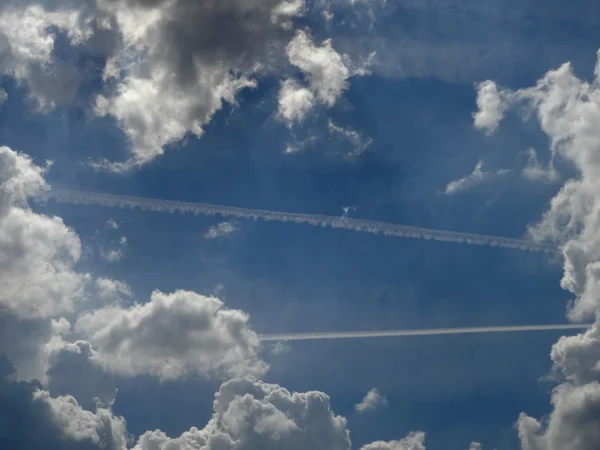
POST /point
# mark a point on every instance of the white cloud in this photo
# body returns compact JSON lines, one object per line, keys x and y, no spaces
{"x":568,"y":110}
{"x":172,"y":336}
{"x":216,"y":51}
{"x":72,"y":370}
{"x":414,"y":441}
{"x":27,"y":43}
{"x":328,"y":75}
{"x":101,"y":428}
{"x":491,"y":104}
{"x":573,"y":423}
{"x":109,"y":290}
{"x":112,"y":224}
{"x":475,"y":446}
{"x":474,"y":178}
{"x":3,"y":96}
{"x":252,"y":415}
{"x":280,"y":348}
{"x":372,"y":400}
{"x":535,"y":171}
{"x":220,"y":230}
{"x":37,"y":253}
{"x":353,"y":137}
{"x":294,"y":101}
{"x":116,"y":253}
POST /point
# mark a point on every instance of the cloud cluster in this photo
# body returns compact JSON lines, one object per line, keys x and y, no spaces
{"x":326,"y":71}
{"x":169,"y":64}
{"x":172,"y":336}
{"x":251,"y":415}
{"x":568,"y":110}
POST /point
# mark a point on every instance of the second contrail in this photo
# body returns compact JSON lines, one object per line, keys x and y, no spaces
{"x":418,"y":332}
{"x":368,"y":226}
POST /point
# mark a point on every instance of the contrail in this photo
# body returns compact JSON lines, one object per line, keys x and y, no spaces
{"x":366,"y":226}
{"x":420,"y":332}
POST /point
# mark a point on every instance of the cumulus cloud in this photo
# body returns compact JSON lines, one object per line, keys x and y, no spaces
{"x":492,"y":104}
{"x":250,"y":414}
{"x":73,"y":371}
{"x":220,"y":230}
{"x":211,"y":48}
{"x":37,"y":253}
{"x":414,"y":441}
{"x":294,"y":101}
{"x":172,"y":336}
{"x":32,"y":419}
{"x":112,"y":291}
{"x":27,"y":44}
{"x":324,"y":66}
{"x":101,"y":428}
{"x":372,"y":400}
{"x":568,"y":110}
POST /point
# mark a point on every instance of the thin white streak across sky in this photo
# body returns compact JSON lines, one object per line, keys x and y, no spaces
{"x":319,"y":220}
{"x":420,"y":332}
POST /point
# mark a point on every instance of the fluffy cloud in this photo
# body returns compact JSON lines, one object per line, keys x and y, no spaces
{"x":101,"y":429}
{"x":371,"y":401}
{"x":73,"y":371}
{"x":573,"y":423}
{"x":568,"y":110}
{"x":37,"y":253}
{"x":210,"y":48}
{"x":294,"y":101}
{"x":324,"y":66}
{"x":32,"y":419}
{"x":27,"y":44}
{"x":491,"y":104}
{"x":249,"y":415}
{"x":327,"y":77}
{"x":112,"y":291}
{"x":414,"y":441}
{"x":173,"y":335}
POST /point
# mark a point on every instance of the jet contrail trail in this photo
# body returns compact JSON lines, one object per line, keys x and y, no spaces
{"x":420,"y":332}
{"x":367,"y":226}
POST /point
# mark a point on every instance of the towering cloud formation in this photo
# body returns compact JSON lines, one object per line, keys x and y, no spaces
{"x":568,"y":110}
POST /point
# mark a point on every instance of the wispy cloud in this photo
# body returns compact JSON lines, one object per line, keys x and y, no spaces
{"x":474,"y":178}
{"x":534,"y":170}
{"x":220,"y":230}
{"x":371,"y":401}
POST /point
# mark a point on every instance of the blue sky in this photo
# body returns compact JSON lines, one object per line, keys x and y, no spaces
{"x":382,"y":123}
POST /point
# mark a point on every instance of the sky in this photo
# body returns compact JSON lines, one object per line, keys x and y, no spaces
{"x":131,"y":321}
